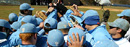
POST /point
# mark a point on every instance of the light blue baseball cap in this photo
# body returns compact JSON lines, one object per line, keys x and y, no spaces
{"x":28,"y":28}
{"x":16,"y":25}
{"x":105,"y":43}
{"x":13,"y":17}
{"x":126,"y":12}
{"x":25,"y":6}
{"x":3,"y":35}
{"x":52,"y":22}
{"x":89,"y":13}
{"x":79,"y":31}
{"x":62,"y":25}
{"x":5,"y":24}
{"x":120,"y":23}
{"x":29,"y":19}
{"x":39,"y":20}
{"x":55,"y":38}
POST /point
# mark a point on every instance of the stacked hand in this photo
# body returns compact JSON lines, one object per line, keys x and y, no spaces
{"x":50,"y":9}
{"x":76,"y":42}
{"x":74,"y":8}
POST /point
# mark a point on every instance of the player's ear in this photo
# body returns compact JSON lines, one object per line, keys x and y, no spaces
{"x":119,"y":30}
{"x":35,"y":36}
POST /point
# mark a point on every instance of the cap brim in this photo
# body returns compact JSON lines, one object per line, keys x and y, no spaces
{"x":11,"y":26}
{"x":112,"y":24}
{"x":31,"y":9}
{"x":119,"y":15}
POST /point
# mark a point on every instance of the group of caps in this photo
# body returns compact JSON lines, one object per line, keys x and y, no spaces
{"x":91,"y":18}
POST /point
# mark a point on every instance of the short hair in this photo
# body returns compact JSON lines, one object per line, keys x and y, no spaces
{"x":47,"y":29}
{"x":127,"y":18}
{"x":122,"y":32}
{"x":26,"y":36}
{"x":10,"y":22}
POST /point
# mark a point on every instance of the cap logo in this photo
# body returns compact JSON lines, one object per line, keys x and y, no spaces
{"x":65,"y":26}
{"x":56,"y":43}
{"x":98,"y":23}
{"x":23,"y":29}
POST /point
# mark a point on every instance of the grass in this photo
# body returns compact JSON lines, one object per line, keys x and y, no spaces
{"x":6,"y":10}
{"x":113,"y":7}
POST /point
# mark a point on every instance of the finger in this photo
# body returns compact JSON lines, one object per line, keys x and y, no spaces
{"x":70,"y":39}
{"x":73,"y":5}
{"x":77,"y":37}
{"x":76,"y":7}
{"x":69,"y":43}
{"x":72,"y":8}
{"x":69,"y":24}
{"x":81,"y":42}
{"x":74,"y":36}
{"x":72,"y":13}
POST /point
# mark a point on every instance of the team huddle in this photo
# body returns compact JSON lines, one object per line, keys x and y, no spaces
{"x":62,"y":27}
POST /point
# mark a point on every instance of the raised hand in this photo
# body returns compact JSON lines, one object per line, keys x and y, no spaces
{"x":76,"y":42}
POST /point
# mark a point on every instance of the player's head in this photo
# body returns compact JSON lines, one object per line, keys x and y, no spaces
{"x":5,"y":28}
{"x":125,"y":15}
{"x":28,"y":33}
{"x":119,"y":26}
{"x":49,"y":24}
{"x":26,"y":9}
{"x":63,"y":26}
{"x":12,"y":18}
{"x":15,"y":26}
{"x":91,"y":18}
{"x":55,"y":38}
{"x":29,"y":19}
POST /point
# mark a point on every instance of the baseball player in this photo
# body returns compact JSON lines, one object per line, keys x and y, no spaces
{"x":126,"y":15}
{"x":25,"y":9}
{"x":118,"y":30}
{"x":12,"y":18}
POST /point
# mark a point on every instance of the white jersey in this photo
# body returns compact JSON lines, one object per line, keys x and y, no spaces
{"x":123,"y":43}
{"x":127,"y":35}
{"x":3,"y":40}
{"x":65,"y":38}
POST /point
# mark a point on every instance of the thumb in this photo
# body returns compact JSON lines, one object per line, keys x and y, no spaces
{"x":72,"y":14}
{"x":72,"y":8}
